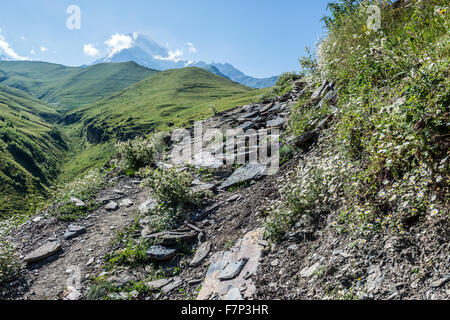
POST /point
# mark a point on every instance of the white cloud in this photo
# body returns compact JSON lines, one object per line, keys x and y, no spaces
{"x":44,"y":49}
{"x":90,"y":50}
{"x":173,"y":56}
{"x":119,"y":42}
{"x":192,"y":48}
{"x":9,"y":51}
{"x":22,"y":37}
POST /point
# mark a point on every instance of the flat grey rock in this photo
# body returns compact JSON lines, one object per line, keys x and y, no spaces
{"x":305,"y":138}
{"x":331,"y":96}
{"x":309,"y":271}
{"x":46,"y":250}
{"x":201,"y":254}
{"x":320,"y":91}
{"x":107,"y":199}
{"x":278,"y":122}
{"x":233,"y":295}
{"x":126,"y":203}
{"x":122,"y":279}
{"x":37,"y":219}
{"x":169,"y":238}
{"x":78,"y":203}
{"x":233,"y":198}
{"x":439,"y":283}
{"x":203,"y":187}
{"x":222,"y":173}
{"x":147,"y":206}
{"x":175,"y":283}
{"x":250,"y":115}
{"x":251,"y":171}
{"x":160,"y":253}
{"x":158,"y":284}
{"x":233,"y":269}
{"x":341,"y":253}
{"x":90,"y":262}
{"x":247,"y":125}
{"x":74,"y":231}
{"x":74,"y":295}
{"x":277,"y":107}
{"x":375,"y":279}
{"x":275,"y":263}
{"x":112,"y":206}
{"x":207,"y":160}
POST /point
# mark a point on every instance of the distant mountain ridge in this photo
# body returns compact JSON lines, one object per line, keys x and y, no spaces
{"x":146,"y":52}
{"x":70,"y":87}
{"x":238,"y":76}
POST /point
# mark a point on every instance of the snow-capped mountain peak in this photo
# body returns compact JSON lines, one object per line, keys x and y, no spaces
{"x":145,"y":51}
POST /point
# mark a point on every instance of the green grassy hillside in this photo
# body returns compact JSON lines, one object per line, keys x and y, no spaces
{"x":169,"y":98}
{"x":388,"y":170}
{"x":71,"y":87}
{"x":31,"y":150}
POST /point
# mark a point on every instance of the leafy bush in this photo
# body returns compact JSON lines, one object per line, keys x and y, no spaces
{"x":312,"y":191}
{"x":9,"y":261}
{"x":283,"y":85}
{"x":70,"y":212}
{"x":133,"y":254}
{"x":140,"y":152}
{"x":172,"y":188}
{"x":304,"y":116}
{"x":100,"y":289}
{"x":83,"y":188}
{"x":161,"y":218}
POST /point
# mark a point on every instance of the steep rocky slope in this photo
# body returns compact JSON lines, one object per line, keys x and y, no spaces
{"x":218,"y":250}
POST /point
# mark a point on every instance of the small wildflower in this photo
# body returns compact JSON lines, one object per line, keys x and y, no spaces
{"x":434,"y":212}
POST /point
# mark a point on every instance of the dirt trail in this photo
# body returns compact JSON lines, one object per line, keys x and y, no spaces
{"x":82,"y":256}
{"x":221,"y":222}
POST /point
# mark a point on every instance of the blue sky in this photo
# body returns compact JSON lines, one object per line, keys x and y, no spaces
{"x":259,"y":37}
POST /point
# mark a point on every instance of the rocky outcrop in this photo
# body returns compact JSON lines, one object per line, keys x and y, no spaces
{"x":46,"y":250}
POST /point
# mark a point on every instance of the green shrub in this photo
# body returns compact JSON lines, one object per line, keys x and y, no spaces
{"x":100,"y":289}
{"x":304,"y":117}
{"x":132,"y":255}
{"x":70,"y":212}
{"x":283,"y":85}
{"x":140,"y":152}
{"x":83,"y":188}
{"x":162,"y":218}
{"x":172,"y":188}
{"x":10,"y":264}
